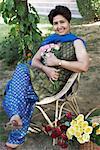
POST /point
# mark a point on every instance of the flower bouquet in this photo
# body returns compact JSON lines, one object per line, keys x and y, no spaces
{"x":44,"y":86}
{"x":84,"y":130}
{"x":71,"y":129}
{"x":45,"y":52}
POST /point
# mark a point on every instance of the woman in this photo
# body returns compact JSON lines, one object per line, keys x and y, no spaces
{"x":60,"y":19}
{"x":20,"y":96}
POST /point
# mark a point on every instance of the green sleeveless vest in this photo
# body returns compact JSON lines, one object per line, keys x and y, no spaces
{"x":42,"y":85}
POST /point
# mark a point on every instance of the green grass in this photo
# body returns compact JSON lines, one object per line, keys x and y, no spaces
{"x":3,"y":120}
{"x":78,"y":21}
{"x":74,"y":21}
{"x":4,"y":30}
{"x":44,"y":19}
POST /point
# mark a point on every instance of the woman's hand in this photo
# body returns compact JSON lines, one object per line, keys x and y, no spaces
{"x":51,"y":72}
{"x":51,"y":59}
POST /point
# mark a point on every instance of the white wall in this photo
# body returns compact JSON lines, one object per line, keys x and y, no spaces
{"x":44,"y":6}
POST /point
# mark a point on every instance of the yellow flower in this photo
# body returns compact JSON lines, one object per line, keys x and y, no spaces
{"x":76,"y":127}
{"x":94,"y":124}
{"x":86,"y":137}
{"x":77,"y":134}
{"x":71,"y":130}
{"x":81,"y":130}
{"x":80,"y":117}
{"x":88,"y":130}
{"x":98,"y":131}
{"x":84,"y":124}
{"x":80,"y":123}
{"x":70,"y":136}
{"x":80,"y":140}
{"x":73,"y":122}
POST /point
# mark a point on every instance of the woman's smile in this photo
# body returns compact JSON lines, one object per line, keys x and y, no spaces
{"x":61,"y":30}
{"x":60,"y":25}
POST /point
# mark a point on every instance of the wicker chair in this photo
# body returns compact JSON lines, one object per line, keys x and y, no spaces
{"x":59,"y":103}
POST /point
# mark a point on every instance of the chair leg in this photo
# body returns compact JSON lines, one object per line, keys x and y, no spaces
{"x":56,"y":113}
{"x":75,"y":104}
{"x":60,"y":111}
{"x":45,"y":116}
{"x":56,"y":119}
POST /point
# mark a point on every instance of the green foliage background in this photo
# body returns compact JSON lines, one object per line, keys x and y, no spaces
{"x":24,"y":36}
{"x":89,"y":9}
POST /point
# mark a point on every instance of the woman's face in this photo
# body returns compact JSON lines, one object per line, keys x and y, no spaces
{"x":60,"y":25}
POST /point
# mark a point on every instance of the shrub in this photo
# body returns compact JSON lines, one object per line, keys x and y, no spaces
{"x":89,"y":9}
{"x":96,"y":8}
{"x":9,"y":50}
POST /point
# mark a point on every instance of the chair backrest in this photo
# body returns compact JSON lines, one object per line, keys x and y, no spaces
{"x":70,"y":82}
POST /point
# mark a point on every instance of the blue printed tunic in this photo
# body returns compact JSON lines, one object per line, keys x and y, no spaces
{"x":20,"y":99}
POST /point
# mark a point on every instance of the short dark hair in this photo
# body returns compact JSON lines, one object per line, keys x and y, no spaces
{"x":59,"y":10}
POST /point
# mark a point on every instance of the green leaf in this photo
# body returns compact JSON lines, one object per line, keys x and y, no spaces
{"x":21,"y":27}
{"x":13,"y":21}
{"x":31,"y":17}
{"x":37,"y":18}
{"x":27,"y":38}
{"x":10,"y":4}
{"x":21,"y":10}
{"x":97,"y":140}
{"x":13,"y":31}
{"x":1,"y":6}
{"x":5,"y":18}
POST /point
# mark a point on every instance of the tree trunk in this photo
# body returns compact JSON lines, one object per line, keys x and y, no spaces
{"x":22,"y":18}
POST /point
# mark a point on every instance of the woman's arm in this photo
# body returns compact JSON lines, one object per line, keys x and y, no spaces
{"x":82,"y":63}
{"x":36,"y":61}
{"x":51,"y":72}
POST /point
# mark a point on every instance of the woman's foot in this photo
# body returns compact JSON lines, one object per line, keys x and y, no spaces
{"x":11,"y":146}
{"x":15,"y":122}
